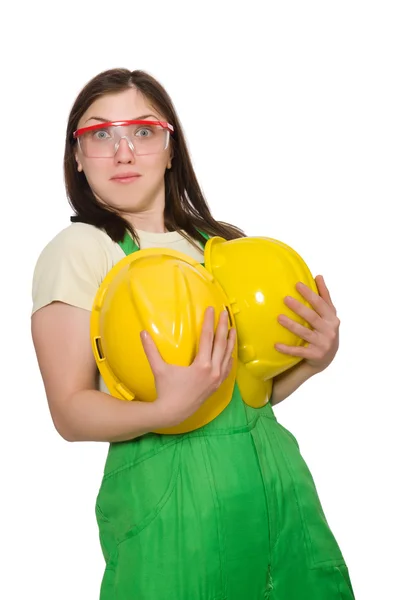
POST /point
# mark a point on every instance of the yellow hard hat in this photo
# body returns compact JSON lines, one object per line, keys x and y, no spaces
{"x":166,"y":293}
{"x":255,"y":392}
{"x":256,"y":274}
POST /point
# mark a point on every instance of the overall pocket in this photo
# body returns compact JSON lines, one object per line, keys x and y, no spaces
{"x":130,"y":498}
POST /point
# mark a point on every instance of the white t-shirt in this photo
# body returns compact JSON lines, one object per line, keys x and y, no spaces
{"x":74,"y":263}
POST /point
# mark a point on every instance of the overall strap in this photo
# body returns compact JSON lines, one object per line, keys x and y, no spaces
{"x":205,"y":235}
{"x":128,"y":245}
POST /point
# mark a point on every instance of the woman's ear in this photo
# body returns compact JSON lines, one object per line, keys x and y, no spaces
{"x":79,"y":165}
{"x":169,"y":165}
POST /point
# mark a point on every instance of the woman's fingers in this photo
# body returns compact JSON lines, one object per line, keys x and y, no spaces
{"x":206,"y":341}
{"x":153,"y":355}
{"x":216,"y":348}
{"x":228,"y":358}
{"x":306,"y":334}
{"x":214,"y":356}
{"x":323,"y":290}
{"x":220,"y":341}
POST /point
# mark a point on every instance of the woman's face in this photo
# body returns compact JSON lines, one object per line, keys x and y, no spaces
{"x":144,"y":192}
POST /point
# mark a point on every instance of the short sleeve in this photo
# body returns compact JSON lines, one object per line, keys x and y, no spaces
{"x":71,"y":267}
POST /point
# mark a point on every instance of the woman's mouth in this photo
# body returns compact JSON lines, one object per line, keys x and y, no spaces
{"x":125,"y":177}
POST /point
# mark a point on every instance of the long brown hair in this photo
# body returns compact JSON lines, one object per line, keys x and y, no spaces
{"x":186,"y":209}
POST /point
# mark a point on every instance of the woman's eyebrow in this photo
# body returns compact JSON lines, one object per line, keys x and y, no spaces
{"x":108,"y":120}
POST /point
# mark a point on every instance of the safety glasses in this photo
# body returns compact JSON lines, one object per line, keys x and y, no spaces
{"x":143,"y":137}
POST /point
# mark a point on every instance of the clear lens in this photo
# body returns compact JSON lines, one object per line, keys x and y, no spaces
{"x":142,"y":139}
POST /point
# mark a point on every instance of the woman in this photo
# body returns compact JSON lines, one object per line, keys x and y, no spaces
{"x":228,"y":511}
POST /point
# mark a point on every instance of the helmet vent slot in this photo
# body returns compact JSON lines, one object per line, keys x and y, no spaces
{"x":98,"y":347}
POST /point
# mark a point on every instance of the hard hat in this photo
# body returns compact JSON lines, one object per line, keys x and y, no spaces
{"x":166,"y":293}
{"x":256,"y":274}
{"x":255,"y":391}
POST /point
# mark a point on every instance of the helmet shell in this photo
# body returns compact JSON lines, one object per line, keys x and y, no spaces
{"x":256,"y":274}
{"x":164,"y":292}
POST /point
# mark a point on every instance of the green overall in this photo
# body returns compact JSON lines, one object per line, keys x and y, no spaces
{"x":227,"y":512}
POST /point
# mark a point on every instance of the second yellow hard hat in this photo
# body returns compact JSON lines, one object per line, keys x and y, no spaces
{"x":256,"y":274}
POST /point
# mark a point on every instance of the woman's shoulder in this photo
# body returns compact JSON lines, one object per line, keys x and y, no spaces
{"x":82,"y":242}
{"x":72,"y":265}
{"x":79,"y":235}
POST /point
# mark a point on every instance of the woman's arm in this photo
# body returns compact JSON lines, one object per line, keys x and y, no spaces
{"x":81,"y":413}
{"x":288,"y":382}
{"x":61,"y":339}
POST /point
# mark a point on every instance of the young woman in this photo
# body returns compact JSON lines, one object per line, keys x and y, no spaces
{"x":229,"y":511}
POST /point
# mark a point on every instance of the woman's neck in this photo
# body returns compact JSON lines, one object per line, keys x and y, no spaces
{"x":148,"y":221}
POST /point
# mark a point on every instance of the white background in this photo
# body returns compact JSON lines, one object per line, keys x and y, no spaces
{"x":290,"y":113}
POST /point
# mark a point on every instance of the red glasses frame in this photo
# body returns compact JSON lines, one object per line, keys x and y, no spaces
{"x":82,"y":130}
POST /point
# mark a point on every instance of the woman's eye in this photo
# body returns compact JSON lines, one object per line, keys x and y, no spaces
{"x":143,"y":132}
{"x":101,"y":135}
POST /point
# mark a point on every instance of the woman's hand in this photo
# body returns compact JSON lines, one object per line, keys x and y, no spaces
{"x":323,"y":340}
{"x":182,"y":390}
